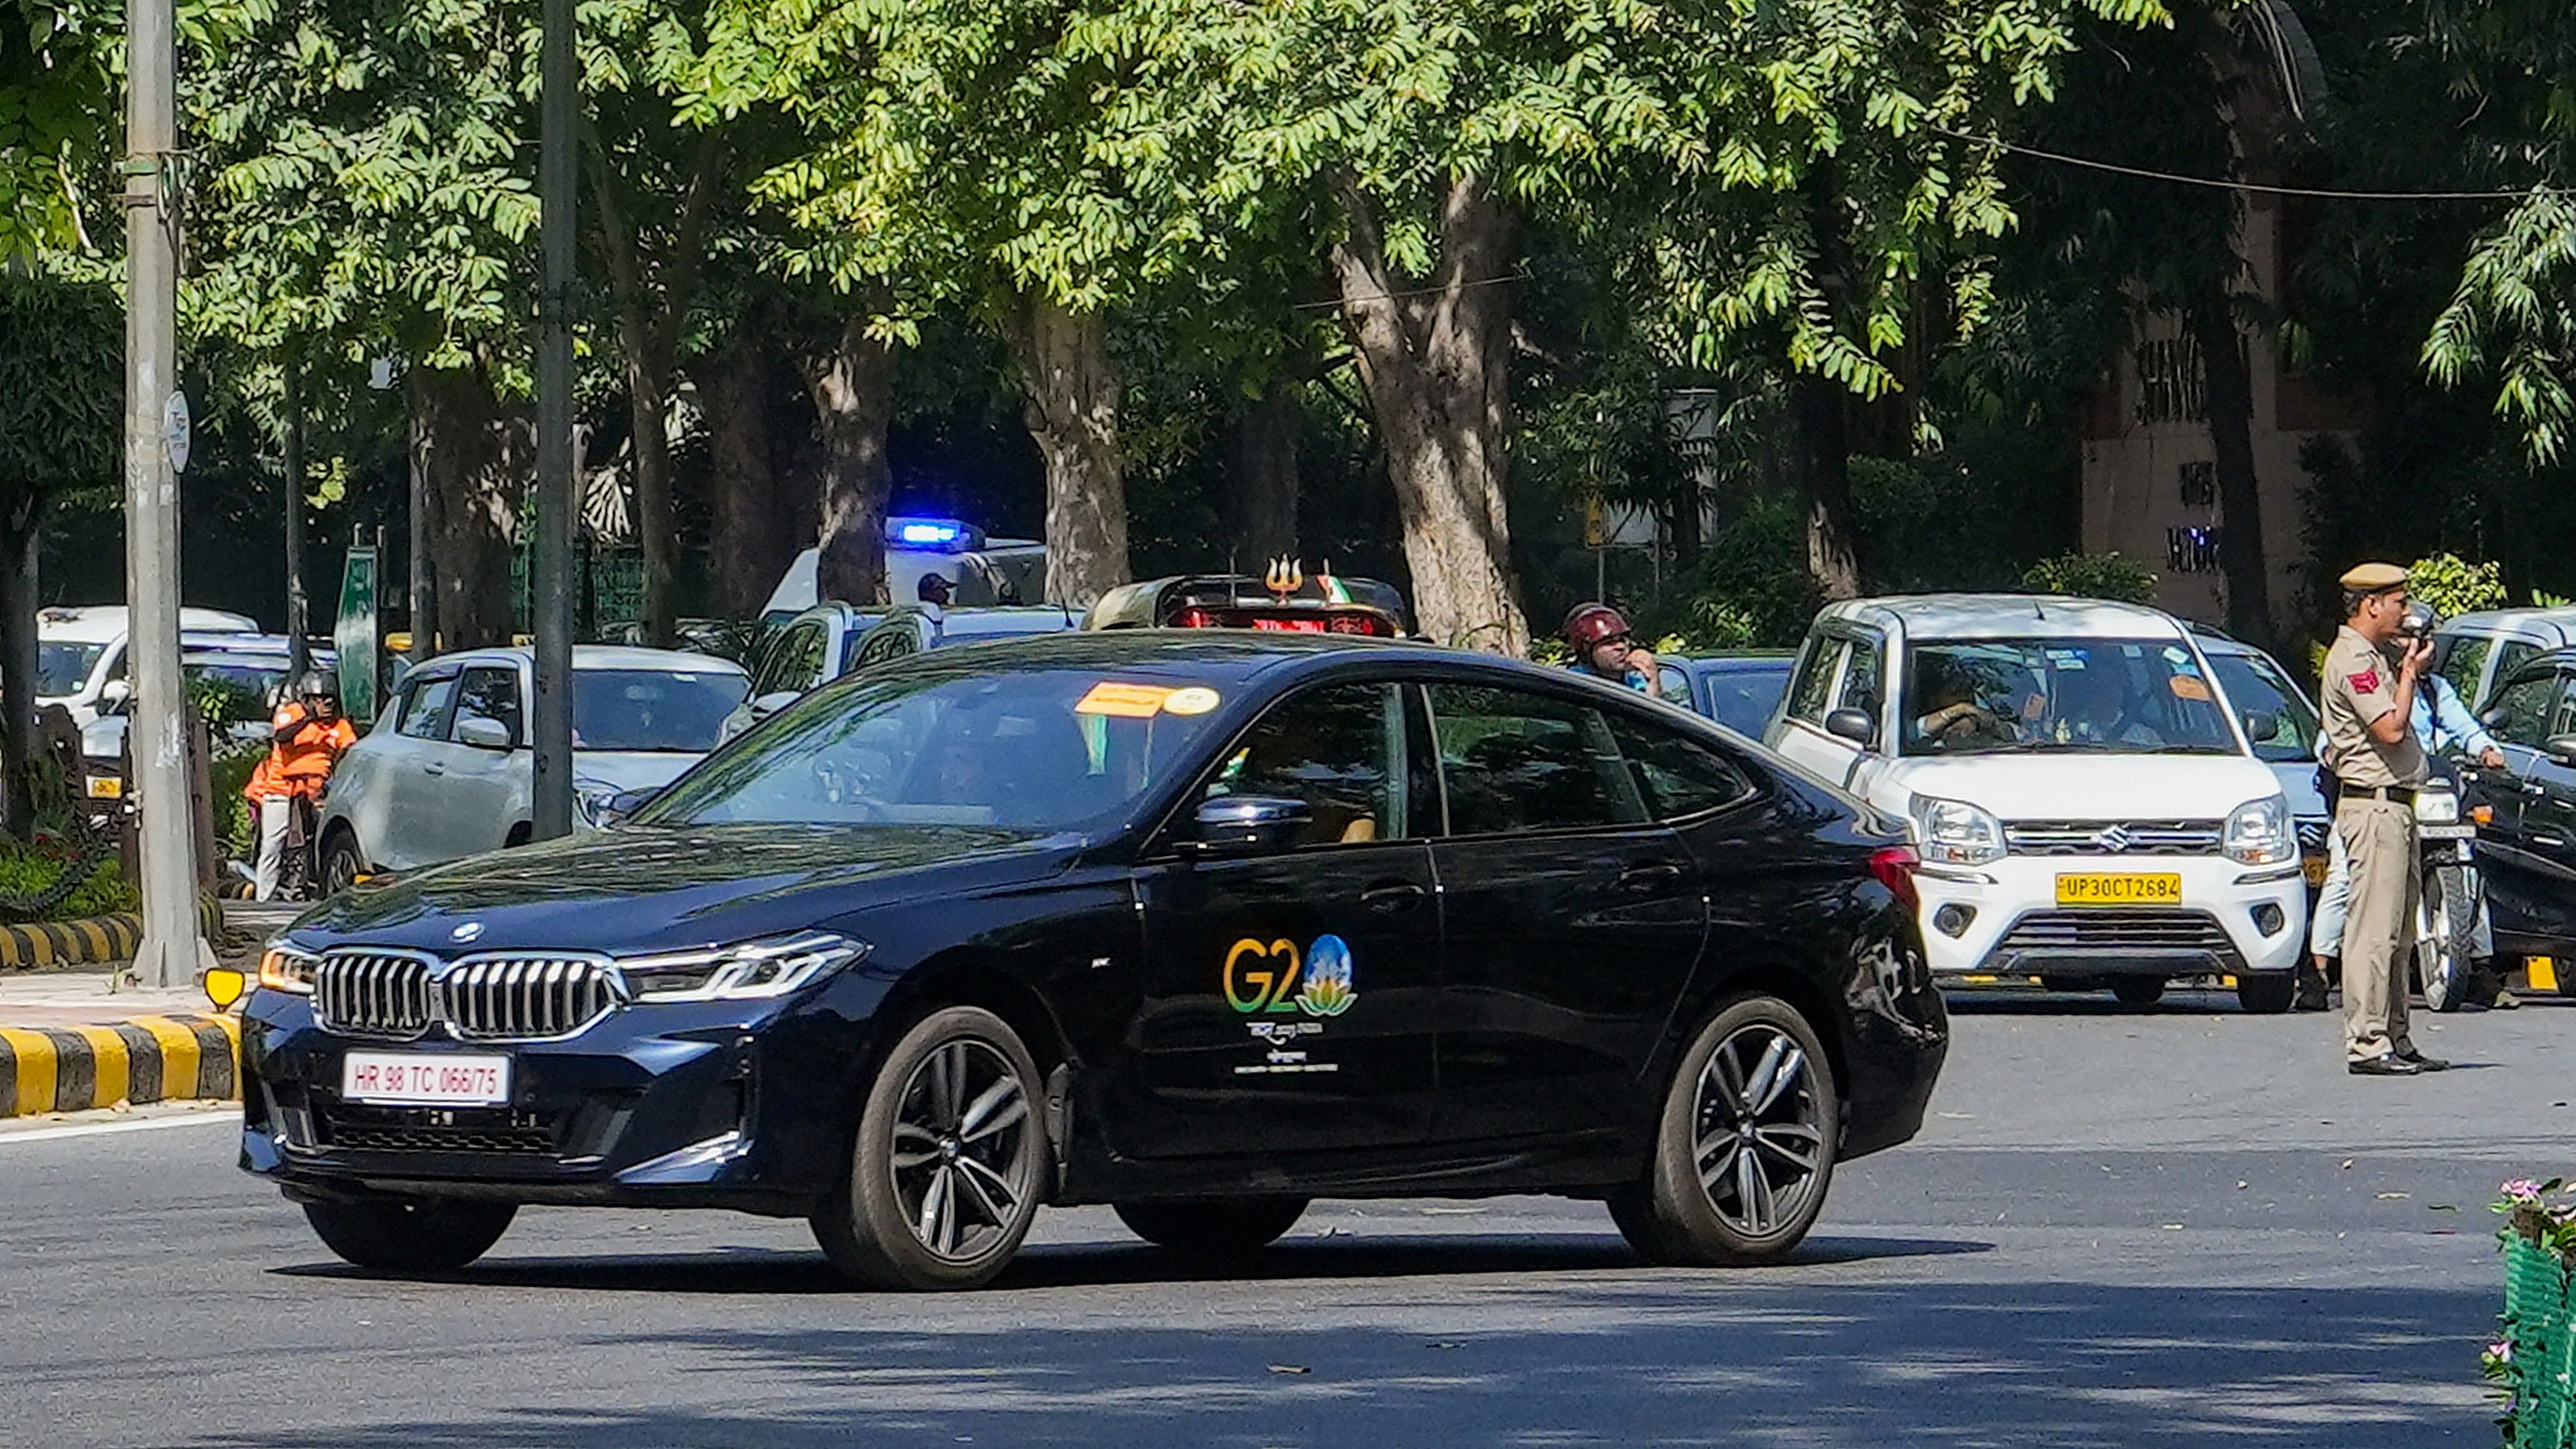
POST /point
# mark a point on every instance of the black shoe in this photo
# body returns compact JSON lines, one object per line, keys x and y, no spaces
{"x":2391,"y":1065}
{"x":2423,"y":1063}
{"x":2309,"y":998}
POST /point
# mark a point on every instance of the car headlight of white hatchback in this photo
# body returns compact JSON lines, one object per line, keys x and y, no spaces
{"x":1954,"y":832}
{"x":750,"y":971}
{"x":2260,"y":832}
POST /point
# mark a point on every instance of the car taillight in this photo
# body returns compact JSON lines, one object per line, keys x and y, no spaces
{"x":1894,"y":868}
{"x":1368,"y":624}
{"x":1193,"y":619}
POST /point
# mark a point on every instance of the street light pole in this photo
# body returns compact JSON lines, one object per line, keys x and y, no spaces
{"x":550,"y":561}
{"x":156,"y":441}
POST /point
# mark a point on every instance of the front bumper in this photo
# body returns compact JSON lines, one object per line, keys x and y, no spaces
{"x":703,"y":1104}
{"x":2004,"y":918}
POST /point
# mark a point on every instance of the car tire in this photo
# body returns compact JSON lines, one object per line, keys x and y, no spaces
{"x":1215,"y":1227}
{"x":2267,"y":995}
{"x":1724,"y":1162}
{"x":951,"y":1130}
{"x":342,"y":862}
{"x":410,"y":1235}
{"x":2444,"y":966}
{"x":2138,"y":990}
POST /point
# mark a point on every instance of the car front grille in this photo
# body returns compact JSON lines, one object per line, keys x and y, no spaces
{"x":512,"y":997}
{"x":373,"y":993}
{"x":498,"y":1130}
{"x":2115,"y":929}
{"x":2113,"y":837}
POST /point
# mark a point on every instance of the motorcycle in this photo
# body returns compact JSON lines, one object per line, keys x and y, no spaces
{"x":2451,"y":897}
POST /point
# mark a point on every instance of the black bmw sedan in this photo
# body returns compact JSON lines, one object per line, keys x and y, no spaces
{"x":1200,"y":925}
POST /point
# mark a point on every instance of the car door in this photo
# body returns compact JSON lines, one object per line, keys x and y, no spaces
{"x":401,"y":832}
{"x":483,"y":795}
{"x":1573,"y":918}
{"x":1799,"y":733}
{"x":2547,"y":835}
{"x":1289,"y":995}
{"x":2519,"y":716}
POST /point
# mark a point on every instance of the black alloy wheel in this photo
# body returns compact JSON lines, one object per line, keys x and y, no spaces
{"x":2138,"y":990}
{"x":1213,"y":1227}
{"x":413,"y":1235}
{"x":341,"y":862}
{"x":948,"y":1165}
{"x":1744,"y":1148}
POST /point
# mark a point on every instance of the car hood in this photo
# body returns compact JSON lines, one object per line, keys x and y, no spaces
{"x":2083,"y":787}
{"x":631,"y":769}
{"x":641,"y":889}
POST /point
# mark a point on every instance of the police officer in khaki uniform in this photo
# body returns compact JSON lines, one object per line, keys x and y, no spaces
{"x":2370,"y":746}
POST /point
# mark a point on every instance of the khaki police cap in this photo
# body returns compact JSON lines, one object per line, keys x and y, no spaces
{"x":2370,"y":578}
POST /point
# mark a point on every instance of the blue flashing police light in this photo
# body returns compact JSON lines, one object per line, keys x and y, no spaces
{"x":936,"y":535}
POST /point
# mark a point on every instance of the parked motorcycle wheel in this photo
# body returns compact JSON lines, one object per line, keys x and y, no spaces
{"x":2445,"y":937}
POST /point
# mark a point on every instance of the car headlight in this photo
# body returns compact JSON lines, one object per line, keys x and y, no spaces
{"x":2259,"y":832}
{"x":2437,"y":807}
{"x":1954,"y":832}
{"x":752,"y":971}
{"x":591,"y":802}
{"x":287,"y":968}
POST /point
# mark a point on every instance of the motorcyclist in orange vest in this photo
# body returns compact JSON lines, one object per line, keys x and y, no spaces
{"x":306,"y":738}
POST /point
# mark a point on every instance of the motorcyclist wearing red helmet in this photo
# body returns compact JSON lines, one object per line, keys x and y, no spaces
{"x":1604,"y":648}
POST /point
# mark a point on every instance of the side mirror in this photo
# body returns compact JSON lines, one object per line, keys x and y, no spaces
{"x":1854,"y":725}
{"x":1249,"y":824}
{"x":2561,"y":749}
{"x":2261,"y":725}
{"x":771,"y":703}
{"x":2496,"y":717}
{"x":623,"y":805}
{"x":482,"y":733}
{"x":115,"y":697}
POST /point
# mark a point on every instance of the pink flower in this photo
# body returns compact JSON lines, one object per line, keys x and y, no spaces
{"x":2522,"y":1188}
{"x":2501,"y":1350}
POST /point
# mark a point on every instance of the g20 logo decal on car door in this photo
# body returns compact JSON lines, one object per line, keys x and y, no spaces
{"x":1274,"y":976}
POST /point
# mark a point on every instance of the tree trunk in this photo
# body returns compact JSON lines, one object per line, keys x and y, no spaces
{"x":298,"y":621}
{"x":751,"y":534}
{"x":478,"y":463}
{"x":648,"y":402}
{"x":18,"y":534}
{"x":2240,"y":491}
{"x":1434,"y":357}
{"x":1263,"y":502}
{"x":853,"y":389}
{"x":1824,"y":484}
{"x":1073,"y":392}
{"x":420,"y":511}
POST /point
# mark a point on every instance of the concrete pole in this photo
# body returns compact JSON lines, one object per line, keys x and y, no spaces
{"x":550,"y":560}
{"x":299,"y":622}
{"x":172,"y":952}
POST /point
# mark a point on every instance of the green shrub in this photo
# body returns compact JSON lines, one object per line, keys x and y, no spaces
{"x":27,"y":871}
{"x":236,"y":827}
{"x":2453,"y":585}
{"x":1751,"y":590}
{"x":2093,"y":576}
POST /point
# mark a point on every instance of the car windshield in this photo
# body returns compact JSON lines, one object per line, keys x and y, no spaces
{"x":233,"y":691}
{"x":671,"y":711}
{"x":61,"y":669}
{"x":2113,"y":696}
{"x":2257,"y":687}
{"x":1031,"y":749}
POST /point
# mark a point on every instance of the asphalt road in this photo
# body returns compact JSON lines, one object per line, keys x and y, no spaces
{"x":2181,"y":1227}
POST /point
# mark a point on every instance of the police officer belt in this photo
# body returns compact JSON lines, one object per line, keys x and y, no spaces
{"x":2393,"y":794}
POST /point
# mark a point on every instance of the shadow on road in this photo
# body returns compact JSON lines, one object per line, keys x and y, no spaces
{"x":1698,"y":1358}
{"x":1087,"y":1265}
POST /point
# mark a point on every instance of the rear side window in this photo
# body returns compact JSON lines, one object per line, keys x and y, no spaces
{"x":1520,"y":761}
{"x":1337,"y":749}
{"x":1678,"y":776}
{"x":424,"y":711}
{"x":2511,"y":655}
{"x":2464,"y":657}
{"x":2526,"y":706}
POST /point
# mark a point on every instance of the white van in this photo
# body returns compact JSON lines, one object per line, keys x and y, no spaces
{"x":80,"y":653}
{"x":2083,"y":795}
{"x":978,"y":570}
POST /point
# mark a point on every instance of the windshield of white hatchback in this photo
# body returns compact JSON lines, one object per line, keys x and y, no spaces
{"x":2043,"y":696}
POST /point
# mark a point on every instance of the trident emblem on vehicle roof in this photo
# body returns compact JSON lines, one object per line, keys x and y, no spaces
{"x":1286,"y":576}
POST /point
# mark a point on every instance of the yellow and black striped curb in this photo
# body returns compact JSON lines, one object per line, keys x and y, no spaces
{"x":91,"y":940}
{"x":147,"y":1059}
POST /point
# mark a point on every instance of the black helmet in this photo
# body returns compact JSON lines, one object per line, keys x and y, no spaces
{"x":318,"y":684}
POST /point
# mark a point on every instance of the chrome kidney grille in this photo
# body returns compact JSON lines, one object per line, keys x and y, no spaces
{"x":477,"y":998}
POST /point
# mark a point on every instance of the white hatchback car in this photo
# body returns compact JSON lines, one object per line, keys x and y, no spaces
{"x":2083,"y":795}
{"x":447,"y":770}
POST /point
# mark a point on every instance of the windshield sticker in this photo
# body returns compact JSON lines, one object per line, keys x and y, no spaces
{"x":1123,"y":701}
{"x":2185,"y":686}
{"x":2176,"y":654}
{"x":1196,"y":699}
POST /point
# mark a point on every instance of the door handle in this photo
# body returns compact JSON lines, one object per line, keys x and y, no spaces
{"x":1392,"y":897}
{"x":1649,"y":880}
